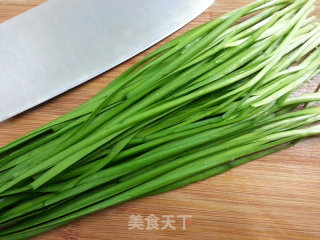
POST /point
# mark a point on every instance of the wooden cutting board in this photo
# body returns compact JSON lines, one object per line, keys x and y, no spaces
{"x":276,"y":197}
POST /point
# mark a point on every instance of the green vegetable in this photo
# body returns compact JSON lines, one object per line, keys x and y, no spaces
{"x":212,"y":99}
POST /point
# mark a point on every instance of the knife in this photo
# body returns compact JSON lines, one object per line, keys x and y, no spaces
{"x":63,"y":43}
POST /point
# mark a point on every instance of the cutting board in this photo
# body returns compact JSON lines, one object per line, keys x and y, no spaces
{"x":275,"y":197}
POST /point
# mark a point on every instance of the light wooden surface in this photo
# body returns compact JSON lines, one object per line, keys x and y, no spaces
{"x":276,"y":197}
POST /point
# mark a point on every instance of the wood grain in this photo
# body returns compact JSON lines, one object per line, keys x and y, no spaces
{"x":276,"y":197}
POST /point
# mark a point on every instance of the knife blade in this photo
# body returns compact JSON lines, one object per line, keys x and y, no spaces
{"x":61,"y":44}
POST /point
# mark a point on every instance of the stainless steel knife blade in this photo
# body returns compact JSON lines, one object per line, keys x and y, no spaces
{"x":63,"y":43}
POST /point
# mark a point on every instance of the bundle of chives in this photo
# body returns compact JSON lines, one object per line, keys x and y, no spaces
{"x":210,"y":100}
